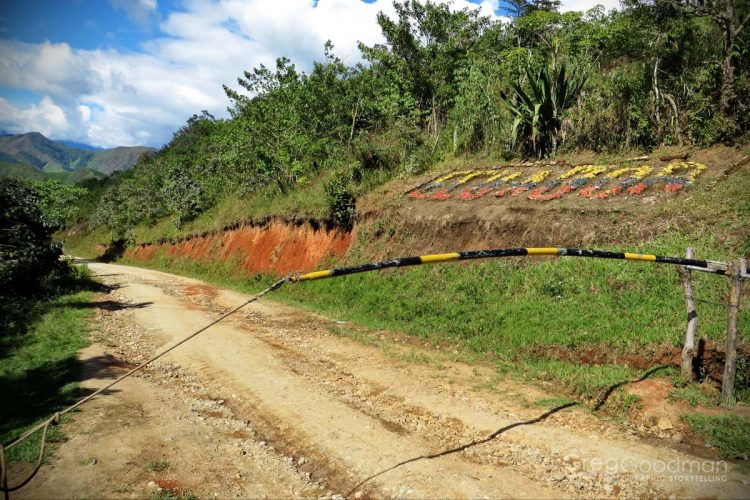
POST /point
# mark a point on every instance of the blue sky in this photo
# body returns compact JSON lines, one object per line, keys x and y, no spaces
{"x":130,"y":72}
{"x":82,"y":24}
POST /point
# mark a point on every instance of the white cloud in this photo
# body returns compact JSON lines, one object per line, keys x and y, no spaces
{"x":584,"y":5}
{"x":46,"y":117}
{"x":140,"y":12}
{"x":85,"y":113}
{"x":47,"y":68}
{"x":111,"y":97}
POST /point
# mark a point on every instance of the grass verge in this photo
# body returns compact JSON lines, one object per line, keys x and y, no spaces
{"x":730,"y":434}
{"x":508,"y":307}
{"x":694,"y":395}
{"x":39,"y":367}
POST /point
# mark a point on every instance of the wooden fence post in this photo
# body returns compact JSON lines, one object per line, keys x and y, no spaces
{"x":688,"y":348}
{"x":730,"y":365}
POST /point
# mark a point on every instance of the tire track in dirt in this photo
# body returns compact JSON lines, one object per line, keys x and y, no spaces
{"x":355,"y":413}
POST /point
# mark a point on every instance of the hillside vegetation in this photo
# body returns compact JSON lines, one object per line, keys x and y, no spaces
{"x":445,"y":84}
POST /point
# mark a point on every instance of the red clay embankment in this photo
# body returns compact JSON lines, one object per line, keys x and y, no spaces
{"x":276,"y":247}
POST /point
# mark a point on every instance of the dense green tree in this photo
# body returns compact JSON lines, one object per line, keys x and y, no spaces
{"x":428,"y":45}
{"x":27,"y":253}
{"x":731,"y":17}
{"x":58,"y":202}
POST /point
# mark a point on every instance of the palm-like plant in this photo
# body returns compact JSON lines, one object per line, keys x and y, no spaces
{"x":538,"y":113}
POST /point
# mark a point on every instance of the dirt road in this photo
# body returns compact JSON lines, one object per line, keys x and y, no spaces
{"x":276,"y":402}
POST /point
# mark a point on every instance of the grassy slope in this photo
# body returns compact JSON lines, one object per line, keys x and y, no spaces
{"x":121,"y":158}
{"x":507,"y":306}
{"x":729,"y":433}
{"x":53,"y":168}
{"x":39,"y":367}
{"x":504,"y":307}
{"x":83,"y":242}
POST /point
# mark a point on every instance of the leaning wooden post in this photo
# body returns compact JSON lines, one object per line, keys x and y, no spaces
{"x":688,"y":348}
{"x":730,"y":365}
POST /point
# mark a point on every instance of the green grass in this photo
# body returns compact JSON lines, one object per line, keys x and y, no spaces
{"x":512,"y":306}
{"x":39,"y":367}
{"x":730,"y":434}
{"x":157,"y":465}
{"x":693,"y":395}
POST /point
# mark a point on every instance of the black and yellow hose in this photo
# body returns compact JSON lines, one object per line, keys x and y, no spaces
{"x":499,"y":253}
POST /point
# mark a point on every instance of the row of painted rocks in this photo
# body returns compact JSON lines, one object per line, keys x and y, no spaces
{"x":591,"y":181}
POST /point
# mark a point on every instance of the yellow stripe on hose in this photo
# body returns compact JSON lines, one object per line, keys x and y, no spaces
{"x":640,"y":256}
{"x":315,"y":275}
{"x":542,"y":251}
{"x":441,"y":257}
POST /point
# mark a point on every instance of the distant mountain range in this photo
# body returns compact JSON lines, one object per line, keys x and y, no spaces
{"x":31,"y":154}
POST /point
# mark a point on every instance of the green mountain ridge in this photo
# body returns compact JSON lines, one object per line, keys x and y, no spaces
{"x":36,"y":150}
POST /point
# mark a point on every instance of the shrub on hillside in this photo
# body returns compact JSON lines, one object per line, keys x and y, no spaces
{"x":341,"y":202}
{"x":28,"y":256}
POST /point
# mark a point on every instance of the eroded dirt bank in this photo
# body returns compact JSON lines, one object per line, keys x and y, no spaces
{"x":277,"y":402}
{"x":277,"y":247}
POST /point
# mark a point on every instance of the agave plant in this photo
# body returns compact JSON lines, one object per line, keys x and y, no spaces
{"x":538,"y":113}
